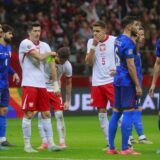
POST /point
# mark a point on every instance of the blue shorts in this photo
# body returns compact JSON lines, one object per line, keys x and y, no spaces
{"x":4,"y":97}
{"x":125,"y":97}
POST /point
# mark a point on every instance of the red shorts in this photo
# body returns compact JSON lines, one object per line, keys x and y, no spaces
{"x":100,"y":95}
{"x":56,"y":102}
{"x":35,"y":99}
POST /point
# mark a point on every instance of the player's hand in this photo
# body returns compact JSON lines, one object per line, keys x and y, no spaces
{"x":66,"y":105}
{"x":138,"y":91}
{"x":151,"y":90}
{"x":97,"y":38}
{"x":112,"y":72}
{"x":52,"y":53}
{"x":16,"y":78}
{"x":56,"y":89}
{"x":57,"y":93}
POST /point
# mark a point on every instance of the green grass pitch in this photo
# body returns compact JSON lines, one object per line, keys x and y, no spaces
{"x":84,"y":139}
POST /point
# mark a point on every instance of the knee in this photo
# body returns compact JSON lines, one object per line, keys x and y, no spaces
{"x":59,"y":114}
{"x":102,"y":110}
{"x":29,"y":114}
{"x":46,"y":114}
{"x":3,"y":111}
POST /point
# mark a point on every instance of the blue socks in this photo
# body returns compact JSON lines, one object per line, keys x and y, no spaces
{"x":2,"y":126}
{"x":126,"y":128}
{"x":113,"y":124}
{"x":137,"y":121}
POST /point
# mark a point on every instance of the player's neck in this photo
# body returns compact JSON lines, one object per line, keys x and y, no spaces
{"x":36,"y":42}
{"x":105,"y":38}
{"x":3,"y":42}
{"x":127,"y":33}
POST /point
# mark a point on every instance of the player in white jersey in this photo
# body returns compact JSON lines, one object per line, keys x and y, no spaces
{"x":100,"y":54}
{"x":32,"y":52}
{"x":64,"y":67}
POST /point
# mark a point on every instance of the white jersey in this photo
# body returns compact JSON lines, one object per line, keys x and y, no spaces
{"x":65,"y":69}
{"x":104,"y":61}
{"x":32,"y":69}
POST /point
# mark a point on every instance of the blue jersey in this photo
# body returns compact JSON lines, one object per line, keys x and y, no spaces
{"x":124,"y":48}
{"x":138,"y":65}
{"x":5,"y":54}
{"x":158,"y":48}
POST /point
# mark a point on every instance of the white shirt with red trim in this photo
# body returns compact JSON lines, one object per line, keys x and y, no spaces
{"x":104,"y":61}
{"x":65,"y":69}
{"x":32,"y":69}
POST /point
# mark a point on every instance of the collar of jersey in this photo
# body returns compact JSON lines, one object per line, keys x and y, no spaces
{"x":106,"y":38}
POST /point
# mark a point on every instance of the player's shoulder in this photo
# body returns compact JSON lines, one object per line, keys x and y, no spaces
{"x":111,"y":37}
{"x":90,"y":41}
{"x":67,"y":64}
{"x":43,"y":43}
{"x":25,"y":42}
{"x":127,"y":41}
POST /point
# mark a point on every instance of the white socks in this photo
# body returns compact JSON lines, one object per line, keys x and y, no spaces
{"x":104,"y":124}
{"x":26,"y":127}
{"x":41,"y":129}
{"x":48,"y":131}
{"x":60,"y":126}
{"x":45,"y":130}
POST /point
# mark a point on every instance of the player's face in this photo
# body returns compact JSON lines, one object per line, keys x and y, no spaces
{"x":35,"y":33}
{"x":59,"y":60}
{"x":134,"y":28}
{"x":8,"y":36}
{"x":141,"y":36}
{"x":97,"y":30}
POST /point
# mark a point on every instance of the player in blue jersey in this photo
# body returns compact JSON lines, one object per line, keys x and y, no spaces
{"x":155,"y":77}
{"x":126,"y":85}
{"x":137,"y":121}
{"x":5,"y":70}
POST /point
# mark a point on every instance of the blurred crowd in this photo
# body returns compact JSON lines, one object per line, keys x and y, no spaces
{"x":67,"y":23}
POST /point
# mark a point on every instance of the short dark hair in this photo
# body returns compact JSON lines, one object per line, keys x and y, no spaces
{"x":33,"y":24}
{"x":99,"y":24}
{"x":7,"y":28}
{"x":128,"y":20}
{"x":64,"y":53}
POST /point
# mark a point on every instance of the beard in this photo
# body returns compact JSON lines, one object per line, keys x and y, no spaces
{"x":7,"y":40}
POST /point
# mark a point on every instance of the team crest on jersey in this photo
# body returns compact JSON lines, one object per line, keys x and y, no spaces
{"x":31,"y":104}
{"x":102,"y":47}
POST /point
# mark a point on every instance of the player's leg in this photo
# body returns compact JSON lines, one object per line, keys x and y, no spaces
{"x":137,"y":121}
{"x":99,"y":100}
{"x":29,"y":101}
{"x":42,"y":133}
{"x":58,"y":107}
{"x":4,"y":102}
{"x":43,"y":107}
{"x":61,"y":128}
{"x":113,"y":123}
{"x":127,"y":103}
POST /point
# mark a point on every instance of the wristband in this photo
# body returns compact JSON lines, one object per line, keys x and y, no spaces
{"x":50,"y":59}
